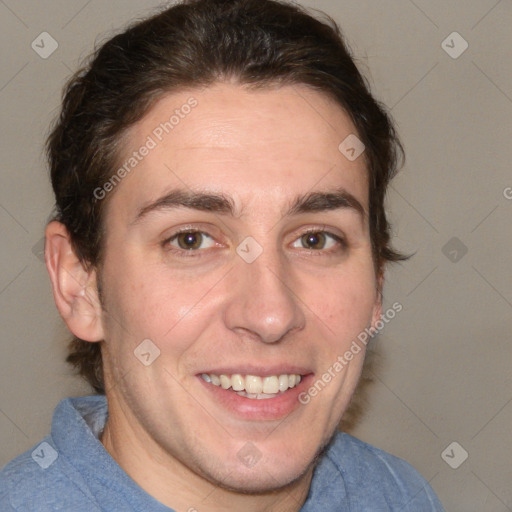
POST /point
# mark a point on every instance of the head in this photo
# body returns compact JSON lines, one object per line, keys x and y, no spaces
{"x":203,"y":202}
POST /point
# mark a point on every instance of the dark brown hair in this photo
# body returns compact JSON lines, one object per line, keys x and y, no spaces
{"x":195,"y":43}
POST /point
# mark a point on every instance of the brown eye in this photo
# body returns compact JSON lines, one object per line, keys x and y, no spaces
{"x":314,"y":240}
{"x":191,"y":240}
{"x":318,"y":241}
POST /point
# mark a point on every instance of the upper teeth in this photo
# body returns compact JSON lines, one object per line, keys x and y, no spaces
{"x":252,"y":383}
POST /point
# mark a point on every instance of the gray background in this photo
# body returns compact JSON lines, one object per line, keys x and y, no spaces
{"x":445,"y":369}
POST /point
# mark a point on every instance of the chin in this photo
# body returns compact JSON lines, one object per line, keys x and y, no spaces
{"x":262,"y":473}
{"x":260,"y":480}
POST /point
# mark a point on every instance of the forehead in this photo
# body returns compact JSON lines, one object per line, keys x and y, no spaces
{"x":262,"y":145}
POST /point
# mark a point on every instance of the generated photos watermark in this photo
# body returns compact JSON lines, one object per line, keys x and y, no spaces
{"x":343,"y":361}
{"x":157,"y":135}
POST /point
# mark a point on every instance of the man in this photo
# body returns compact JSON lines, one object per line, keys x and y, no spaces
{"x":219,"y":244}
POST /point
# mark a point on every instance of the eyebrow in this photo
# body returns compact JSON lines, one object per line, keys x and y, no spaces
{"x":220,"y":203}
{"x":325,"y":201}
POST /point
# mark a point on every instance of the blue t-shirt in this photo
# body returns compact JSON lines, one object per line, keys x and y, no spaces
{"x":71,"y":471}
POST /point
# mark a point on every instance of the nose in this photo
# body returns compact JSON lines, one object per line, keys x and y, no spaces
{"x":262,"y":303}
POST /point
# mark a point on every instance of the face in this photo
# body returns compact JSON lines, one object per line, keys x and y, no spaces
{"x":239,"y":245}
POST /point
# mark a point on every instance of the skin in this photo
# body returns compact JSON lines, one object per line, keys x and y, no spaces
{"x":207,"y":308}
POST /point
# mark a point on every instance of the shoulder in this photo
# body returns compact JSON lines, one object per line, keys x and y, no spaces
{"x":30,"y":480}
{"x":5,"y":502}
{"x":374,"y":478}
{"x":42,"y":479}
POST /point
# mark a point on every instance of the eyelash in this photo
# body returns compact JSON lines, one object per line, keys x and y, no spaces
{"x":195,"y":253}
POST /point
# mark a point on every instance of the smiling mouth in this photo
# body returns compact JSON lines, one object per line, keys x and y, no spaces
{"x":253,"y":386}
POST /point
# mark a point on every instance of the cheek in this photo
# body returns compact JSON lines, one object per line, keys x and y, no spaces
{"x":162,"y":306}
{"x":344,"y":303}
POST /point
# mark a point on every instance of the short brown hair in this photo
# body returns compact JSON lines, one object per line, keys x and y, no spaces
{"x":196,"y":43}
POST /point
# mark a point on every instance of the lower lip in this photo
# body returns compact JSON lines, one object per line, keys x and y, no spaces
{"x":253,"y":409}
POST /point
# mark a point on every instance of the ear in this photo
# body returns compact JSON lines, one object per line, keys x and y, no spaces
{"x":74,"y":288}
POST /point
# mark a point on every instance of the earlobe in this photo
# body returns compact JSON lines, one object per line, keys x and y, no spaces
{"x":377,"y":308}
{"x":377,"y":311}
{"x":74,"y":287}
